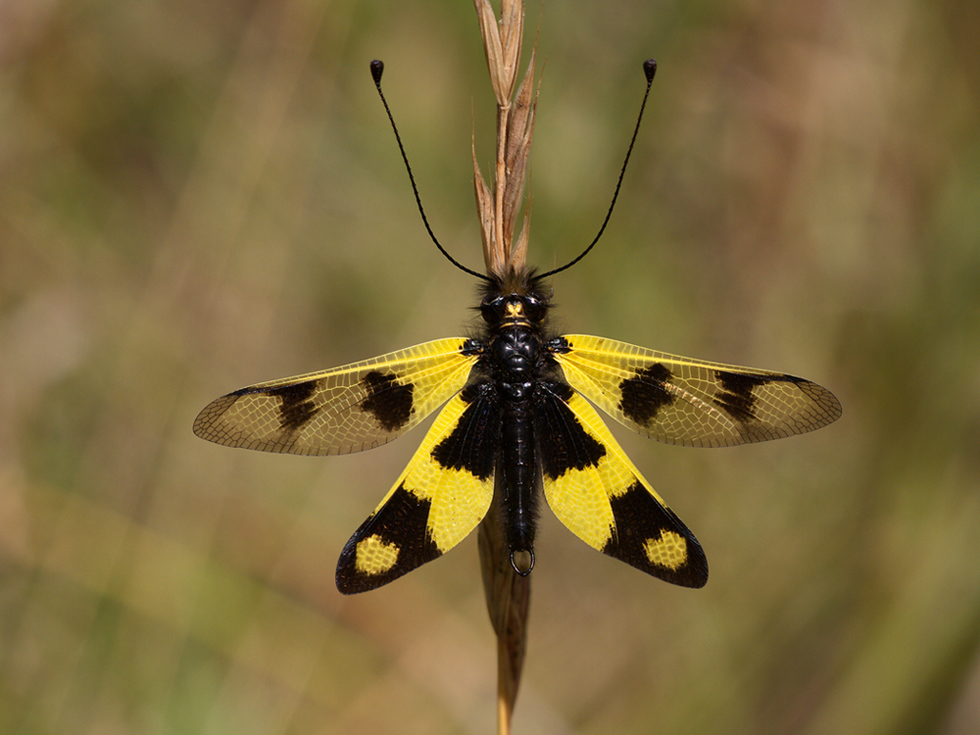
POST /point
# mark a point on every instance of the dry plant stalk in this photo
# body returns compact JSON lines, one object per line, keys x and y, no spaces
{"x":508,"y":594}
{"x":498,"y":207}
{"x":508,"y":600}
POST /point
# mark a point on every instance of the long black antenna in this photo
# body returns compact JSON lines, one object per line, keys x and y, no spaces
{"x":377,"y":69}
{"x":649,"y":68}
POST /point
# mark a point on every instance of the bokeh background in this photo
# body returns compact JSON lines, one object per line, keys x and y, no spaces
{"x":198,"y":196}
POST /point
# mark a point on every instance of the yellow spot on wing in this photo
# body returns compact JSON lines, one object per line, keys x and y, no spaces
{"x":670,"y":550}
{"x":374,"y":556}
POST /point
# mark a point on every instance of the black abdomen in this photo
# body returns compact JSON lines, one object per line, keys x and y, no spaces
{"x":516,"y":350}
{"x":519,"y":468}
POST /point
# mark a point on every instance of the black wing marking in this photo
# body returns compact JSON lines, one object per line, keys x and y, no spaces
{"x":346,"y":409}
{"x":595,"y":490}
{"x":439,"y":499}
{"x":680,"y":400}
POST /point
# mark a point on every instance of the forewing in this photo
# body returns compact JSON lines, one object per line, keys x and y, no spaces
{"x":439,"y":499}
{"x":680,"y":400}
{"x":595,"y":490}
{"x":346,"y":409}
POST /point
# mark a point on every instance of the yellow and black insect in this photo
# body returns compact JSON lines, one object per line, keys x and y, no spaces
{"x":518,"y":407}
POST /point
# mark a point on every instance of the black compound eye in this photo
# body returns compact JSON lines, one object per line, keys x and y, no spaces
{"x":534,"y":309}
{"x":492,"y":309}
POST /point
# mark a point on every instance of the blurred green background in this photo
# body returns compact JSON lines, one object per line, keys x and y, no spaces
{"x":198,"y":196}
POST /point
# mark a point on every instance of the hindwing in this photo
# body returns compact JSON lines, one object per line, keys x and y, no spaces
{"x":439,"y":499}
{"x":680,"y":400}
{"x":595,"y":490}
{"x":345,"y":409}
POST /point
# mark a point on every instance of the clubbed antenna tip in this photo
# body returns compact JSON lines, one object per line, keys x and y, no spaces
{"x":649,"y":68}
{"x":377,"y":69}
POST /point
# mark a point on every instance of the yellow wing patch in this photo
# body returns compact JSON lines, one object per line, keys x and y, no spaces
{"x":374,"y":556}
{"x":595,"y":490}
{"x":669,"y":551}
{"x":680,"y":400}
{"x":346,"y":409}
{"x":437,"y":501}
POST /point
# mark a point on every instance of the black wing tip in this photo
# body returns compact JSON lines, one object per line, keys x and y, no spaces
{"x":694,"y":574}
{"x":397,"y":530}
{"x":351,"y":581}
{"x":649,"y":536}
